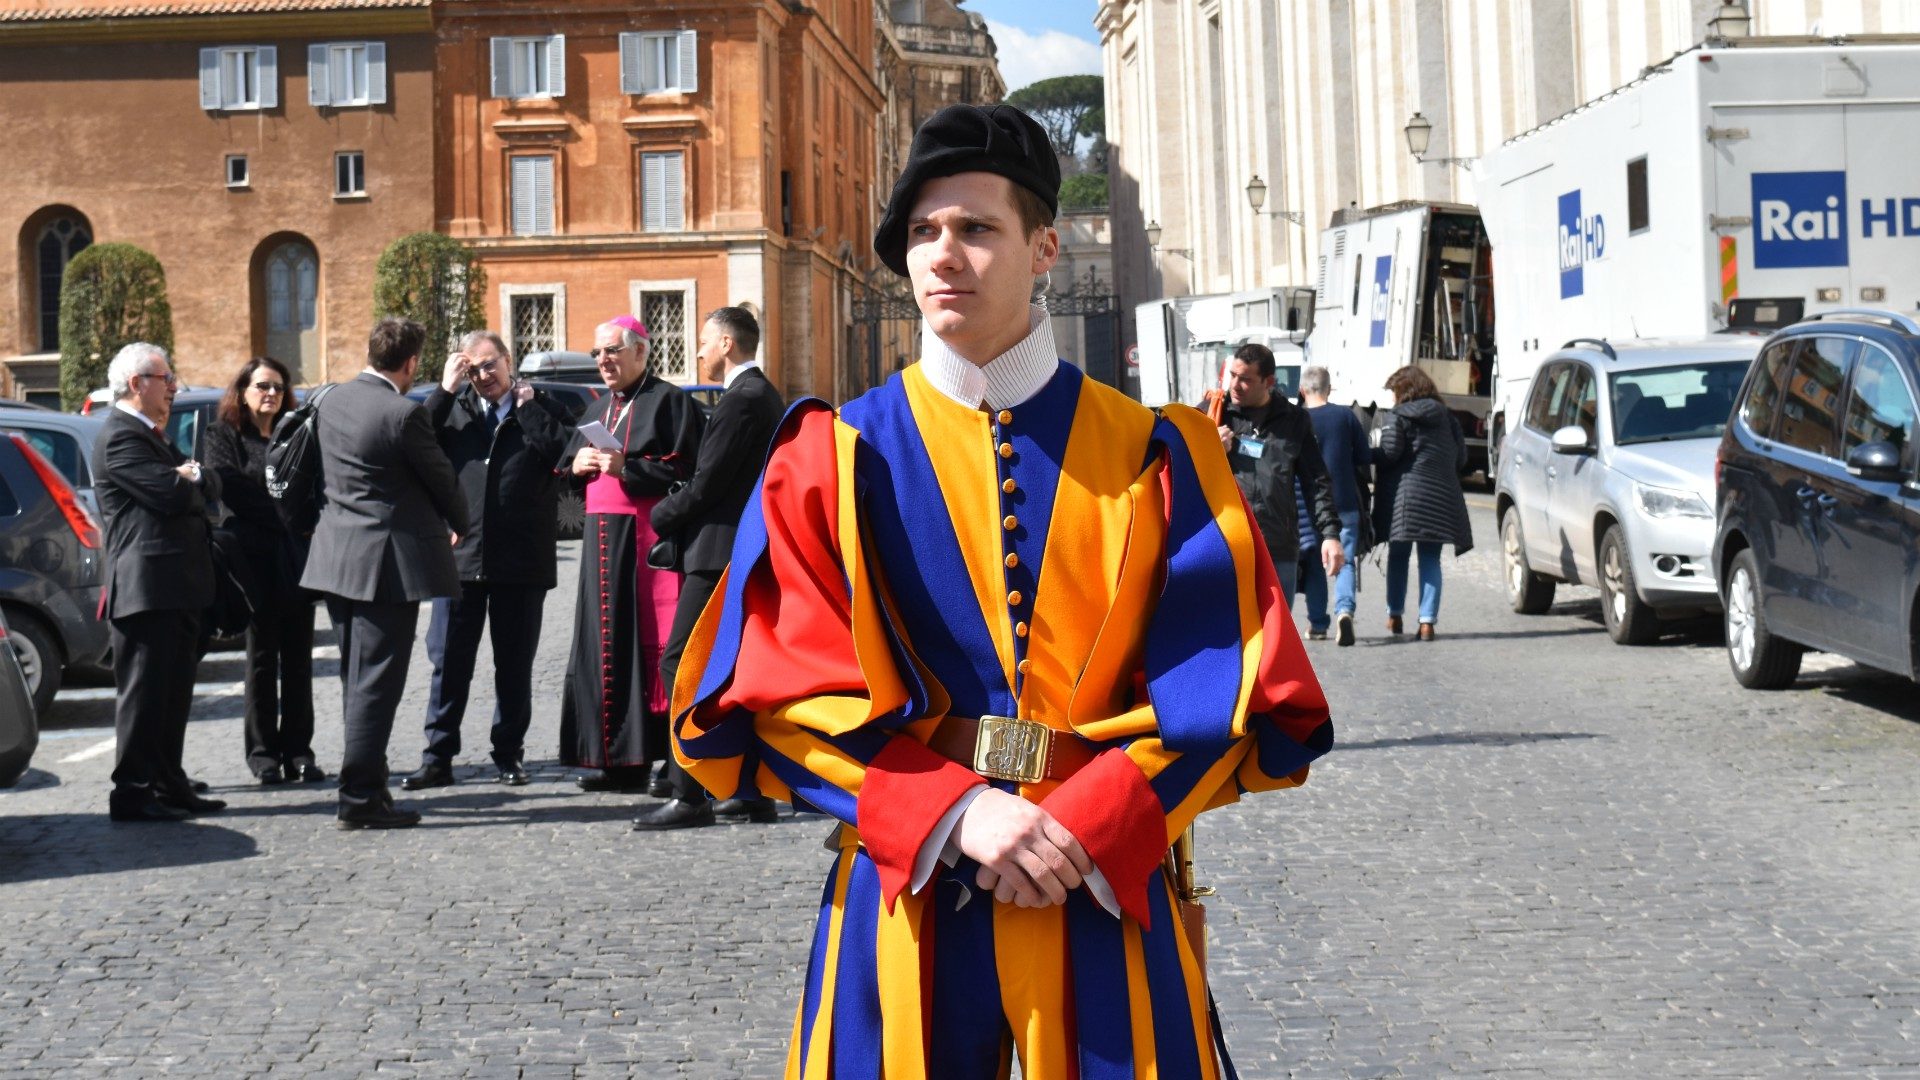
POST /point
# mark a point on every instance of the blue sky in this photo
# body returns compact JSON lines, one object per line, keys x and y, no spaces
{"x":1039,"y":39}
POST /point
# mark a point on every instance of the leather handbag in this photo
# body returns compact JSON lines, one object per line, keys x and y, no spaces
{"x":665,"y":552}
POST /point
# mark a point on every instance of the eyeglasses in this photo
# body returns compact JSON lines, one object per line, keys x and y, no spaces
{"x":172,"y":379}
{"x":270,"y":387}
{"x":487,"y":368}
{"x":610,"y":350}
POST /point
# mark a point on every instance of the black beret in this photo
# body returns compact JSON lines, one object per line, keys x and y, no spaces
{"x":998,"y":139}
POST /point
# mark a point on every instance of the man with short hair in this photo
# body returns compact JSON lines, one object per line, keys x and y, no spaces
{"x":383,"y":544}
{"x":1344,"y":450}
{"x":503,"y":439}
{"x":159,"y":578}
{"x":1269,"y":441}
{"x":943,"y":624}
{"x":703,"y":516}
{"x":613,"y":713}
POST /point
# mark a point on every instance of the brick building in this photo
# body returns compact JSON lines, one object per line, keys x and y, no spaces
{"x":218,"y":142}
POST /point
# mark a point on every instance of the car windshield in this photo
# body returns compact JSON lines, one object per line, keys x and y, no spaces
{"x":1213,"y":358}
{"x":1667,"y":404}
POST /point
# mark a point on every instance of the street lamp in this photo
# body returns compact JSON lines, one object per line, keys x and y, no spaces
{"x":1731,"y":21}
{"x":1257,"y":196}
{"x":1419,"y":132}
{"x":1153,"y":241}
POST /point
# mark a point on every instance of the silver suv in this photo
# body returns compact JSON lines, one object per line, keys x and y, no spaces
{"x":1608,"y":480}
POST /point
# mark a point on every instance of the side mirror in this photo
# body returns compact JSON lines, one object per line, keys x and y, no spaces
{"x":1572,"y":439}
{"x":1877,"y":461}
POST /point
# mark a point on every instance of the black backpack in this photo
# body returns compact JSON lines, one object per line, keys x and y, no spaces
{"x":293,"y":464}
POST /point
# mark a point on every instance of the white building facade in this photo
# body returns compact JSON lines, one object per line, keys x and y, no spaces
{"x":1313,"y":97}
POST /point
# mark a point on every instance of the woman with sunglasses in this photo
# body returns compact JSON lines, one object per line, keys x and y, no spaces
{"x":279,"y":727}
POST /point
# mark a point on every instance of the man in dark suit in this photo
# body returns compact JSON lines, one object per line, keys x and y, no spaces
{"x":159,"y":578}
{"x":383,"y":544}
{"x":704,"y":514}
{"x":504,"y":440}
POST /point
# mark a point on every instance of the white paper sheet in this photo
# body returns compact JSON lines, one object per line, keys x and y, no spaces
{"x":598,"y":436}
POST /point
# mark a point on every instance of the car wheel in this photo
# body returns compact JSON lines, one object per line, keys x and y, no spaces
{"x":1528,"y":593}
{"x":1760,"y":661}
{"x":573,"y":515}
{"x":41,"y":659}
{"x":1630,"y":620}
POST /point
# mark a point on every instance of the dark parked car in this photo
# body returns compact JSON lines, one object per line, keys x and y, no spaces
{"x":1819,"y":509}
{"x":50,"y":570}
{"x":19,"y":720}
{"x":65,"y":440}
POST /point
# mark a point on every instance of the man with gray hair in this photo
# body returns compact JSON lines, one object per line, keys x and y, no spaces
{"x":613,"y":715}
{"x":1345,"y":452}
{"x":159,"y":578}
{"x":504,"y":439}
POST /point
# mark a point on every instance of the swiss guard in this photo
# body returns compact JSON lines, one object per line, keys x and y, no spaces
{"x":1015,"y":631}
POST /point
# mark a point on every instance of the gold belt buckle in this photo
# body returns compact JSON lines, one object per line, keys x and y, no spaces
{"x":1011,"y":749}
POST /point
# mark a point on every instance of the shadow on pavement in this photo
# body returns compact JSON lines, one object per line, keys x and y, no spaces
{"x":1869,"y":687}
{"x":34,"y":779}
{"x":1469,"y":738}
{"x":47,"y":847}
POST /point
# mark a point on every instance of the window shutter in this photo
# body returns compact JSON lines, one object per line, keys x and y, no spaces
{"x":269,"y":69}
{"x":376,"y":73}
{"x":317,"y":90}
{"x":652,"y":181}
{"x":522,"y":196}
{"x":689,"y":61}
{"x":502,"y":67}
{"x":557,"y":65}
{"x":630,"y":64}
{"x":673,"y":192}
{"x":543,"y":196}
{"x":210,"y":78}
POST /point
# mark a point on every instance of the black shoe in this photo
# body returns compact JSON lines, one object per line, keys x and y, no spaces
{"x":200,"y":787}
{"x":1343,"y":629}
{"x":184,"y":799}
{"x":627,"y":780}
{"x":760,"y":811}
{"x":428,"y":776}
{"x":675,"y":814}
{"x":514,"y":774}
{"x":307,"y":772}
{"x":274,"y":774}
{"x":379,"y":816}
{"x":142,"y":808}
{"x":660,"y":787}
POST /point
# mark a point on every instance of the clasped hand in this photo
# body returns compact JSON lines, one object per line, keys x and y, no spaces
{"x":592,"y":461}
{"x":1026,"y":857}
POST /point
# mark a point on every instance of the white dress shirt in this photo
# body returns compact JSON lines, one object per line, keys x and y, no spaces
{"x":733,"y":376}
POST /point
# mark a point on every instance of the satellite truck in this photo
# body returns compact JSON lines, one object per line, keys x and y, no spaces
{"x":1185,"y":341}
{"x":1736,"y":187}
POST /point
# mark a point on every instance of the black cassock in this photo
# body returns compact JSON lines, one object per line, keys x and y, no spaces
{"x":613,"y":713}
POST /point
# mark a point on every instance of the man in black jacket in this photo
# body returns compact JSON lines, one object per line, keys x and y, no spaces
{"x":704,"y":514}
{"x":1269,"y":440}
{"x":504,"y":440}
{"x":381,"y":547}
{"x":159,"y":577}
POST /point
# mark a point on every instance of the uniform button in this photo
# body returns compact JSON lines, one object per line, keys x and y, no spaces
{"x":1020,"y":629}
{"x":1011,"y":523}
{"x":1005,"y":417}
{"x":1023,"y":666}
{"x":1012,"y":561}
{"x":1014,"y":598}
{"x":1009,"y":486}
{"x":1006,"y":449}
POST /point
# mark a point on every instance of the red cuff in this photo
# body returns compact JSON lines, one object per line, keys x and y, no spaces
{"x":1112,"y":810}
{"x":906,"y":791}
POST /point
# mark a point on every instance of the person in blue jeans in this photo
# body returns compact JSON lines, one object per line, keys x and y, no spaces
{"x":1420,"y":505}
{"x":1345,"y":452}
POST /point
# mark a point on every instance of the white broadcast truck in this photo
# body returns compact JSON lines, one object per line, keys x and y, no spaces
{"x":1736,"y":188}
{"x":1408,"y":283}
{"x":1185,"y":341}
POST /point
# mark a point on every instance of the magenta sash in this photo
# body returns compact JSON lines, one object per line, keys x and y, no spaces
{"x":658,"y":591}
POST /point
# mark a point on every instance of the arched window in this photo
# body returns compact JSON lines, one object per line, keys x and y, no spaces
{"x":293,"y":278}
{"x":60,"y":240}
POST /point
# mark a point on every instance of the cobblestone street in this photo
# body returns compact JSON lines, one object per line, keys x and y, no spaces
{"x":1533,"y":853}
